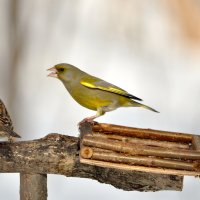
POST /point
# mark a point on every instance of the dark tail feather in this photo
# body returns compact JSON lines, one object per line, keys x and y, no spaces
{"x":9,"y":132}
{"x":148,"y":108}
{"x":14,"y":134}
{"x":136,"y":104}
{"x":144,"y":106}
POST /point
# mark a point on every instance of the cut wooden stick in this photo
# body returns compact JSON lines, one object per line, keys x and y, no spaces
{"x":98,"y":149}
{"x":146,"y":142}
{"x":196,"y":146}
{"x":139,"y":168}
{"x":131,"y":149}
{"x":196,"y":142}
{"x":95,"y":154}
{"x":86,"y":152}
{"x":142,"y":133}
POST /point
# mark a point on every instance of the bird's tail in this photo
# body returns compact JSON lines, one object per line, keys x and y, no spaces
{"x":148,"y":108}
{"x":8,"y":131}
{"x":136,"y":104}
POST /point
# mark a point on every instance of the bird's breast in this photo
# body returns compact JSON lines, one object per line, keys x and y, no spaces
{"x":90,"y":98}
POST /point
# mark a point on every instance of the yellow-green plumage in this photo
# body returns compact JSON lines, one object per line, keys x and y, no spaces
{"x":92,"y":92}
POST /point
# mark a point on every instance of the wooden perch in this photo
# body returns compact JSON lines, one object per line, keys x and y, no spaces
{"x":144,"y":150}
{"x":59,"y":154}
{"x":91,"y":140}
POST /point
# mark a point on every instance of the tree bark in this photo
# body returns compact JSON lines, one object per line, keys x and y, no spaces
{"x":59,"y":154}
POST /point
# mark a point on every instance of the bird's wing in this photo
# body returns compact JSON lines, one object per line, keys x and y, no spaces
{"x":4,"y":116}
{"x":97,"y":83}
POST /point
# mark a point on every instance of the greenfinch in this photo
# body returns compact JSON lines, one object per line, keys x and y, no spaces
{"x":6,"y":127}
{"x":92,"y":92}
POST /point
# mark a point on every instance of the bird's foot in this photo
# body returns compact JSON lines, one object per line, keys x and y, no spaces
{"x":88,"y":120}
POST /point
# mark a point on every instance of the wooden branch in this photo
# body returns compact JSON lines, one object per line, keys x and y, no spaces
{"x":33,"y":186}
{"x":59,"y":154}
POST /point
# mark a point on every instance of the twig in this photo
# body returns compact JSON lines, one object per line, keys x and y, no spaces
{"x":142,"y":133}
{"x":131,"y":149}
{"x":147,"y":142}
{"x":139,"y":168}
{"x":135,"y":160}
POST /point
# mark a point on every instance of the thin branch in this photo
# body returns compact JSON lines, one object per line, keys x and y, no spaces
{"x":146,"y":142}
{"x":90,"y":140}
{"x":138,"y":168}
{"x":142,"y":133}
{"x":96,"y":154}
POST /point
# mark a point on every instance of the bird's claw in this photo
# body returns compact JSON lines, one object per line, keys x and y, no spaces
{"x":87,"y":120}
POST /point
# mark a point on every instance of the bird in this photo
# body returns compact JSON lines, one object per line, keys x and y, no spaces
{"x":92,"y":92}
{"x":6,"y":126}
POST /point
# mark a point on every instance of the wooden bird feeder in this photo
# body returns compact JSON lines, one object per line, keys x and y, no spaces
{"x":143,"y":150}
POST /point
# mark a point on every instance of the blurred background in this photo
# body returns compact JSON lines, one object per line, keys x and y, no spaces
{"x":149,"y":48}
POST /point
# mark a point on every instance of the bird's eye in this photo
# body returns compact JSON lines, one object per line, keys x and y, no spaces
{"x":61,"y":69}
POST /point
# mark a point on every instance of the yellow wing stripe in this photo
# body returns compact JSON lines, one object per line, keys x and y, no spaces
{"x":88,"y":84}
{"x":109,"y":89}
{"x":115,"y":90}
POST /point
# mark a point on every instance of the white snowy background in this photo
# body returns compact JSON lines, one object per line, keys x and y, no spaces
{"x":149,"y":48}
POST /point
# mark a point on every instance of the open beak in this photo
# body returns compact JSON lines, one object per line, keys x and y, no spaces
{"x":53,"y":72}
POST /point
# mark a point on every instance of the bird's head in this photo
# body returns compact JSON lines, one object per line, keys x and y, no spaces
{"x":61,"y":71}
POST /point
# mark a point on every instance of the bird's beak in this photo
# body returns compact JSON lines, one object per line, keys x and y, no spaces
{"x":53,"y":72}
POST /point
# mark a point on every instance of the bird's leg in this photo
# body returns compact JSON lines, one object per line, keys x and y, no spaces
{"x":90,"y":119}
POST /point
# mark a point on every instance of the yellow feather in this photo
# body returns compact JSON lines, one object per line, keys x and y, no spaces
{"x":108,"y":89}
